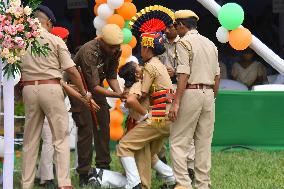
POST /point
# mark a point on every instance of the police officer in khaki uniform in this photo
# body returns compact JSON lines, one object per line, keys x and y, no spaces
{"x":98,"y":60}
{"x":193,"y":109}
{"x":43,"y":96}
{"x":169,"y":58}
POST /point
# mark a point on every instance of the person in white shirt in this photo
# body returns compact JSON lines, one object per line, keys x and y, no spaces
{"x":248,"y":71}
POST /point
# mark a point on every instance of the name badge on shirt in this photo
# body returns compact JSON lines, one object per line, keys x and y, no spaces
{"x":100,"y":65}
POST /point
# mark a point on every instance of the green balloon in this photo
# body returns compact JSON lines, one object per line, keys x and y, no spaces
{"x":126,"y":25}
{"x":127,"y":35}
{"x":231,"y":16}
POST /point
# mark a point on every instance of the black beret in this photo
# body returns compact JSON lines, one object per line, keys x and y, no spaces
{"x":47,"y":12}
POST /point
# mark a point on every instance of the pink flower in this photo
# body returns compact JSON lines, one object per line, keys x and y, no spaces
{"x":7,"y":22}
{"x":7,"y":42}
{"x":20,"y":42}
{"x":35,"y":33}
{"x":20,"y":27}
{"x":2,"y":18}
{"x":9,"y":18}
{"x":12,"y":30}
{"x":1,"y":35}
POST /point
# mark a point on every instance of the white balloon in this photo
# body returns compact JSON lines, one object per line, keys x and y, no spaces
{"x":132,"y":59}
{"x":114,"y":4}
{"x":104,"y":11}
{"x":1,"y":147}
{"x":98,"y":32}
{"x":222,"y":35}
{"x":99,"y":23}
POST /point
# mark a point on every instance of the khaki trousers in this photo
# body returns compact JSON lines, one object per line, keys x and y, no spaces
{"x":190,"y":159}
{"x":145,"y":160}
{"x":195,"y":121}
{"x":143,"y":142}
{"x":40,"y":101}
{"x":45,"y":168}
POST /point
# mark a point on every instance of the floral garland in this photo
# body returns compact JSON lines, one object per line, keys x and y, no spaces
{"x":19,"y":30}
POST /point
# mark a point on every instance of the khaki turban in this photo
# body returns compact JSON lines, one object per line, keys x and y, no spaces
{"x":112,"y":34}
{"x":184,"y":14}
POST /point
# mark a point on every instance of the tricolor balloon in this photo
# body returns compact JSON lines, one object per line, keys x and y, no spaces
{"x":231,"y":17}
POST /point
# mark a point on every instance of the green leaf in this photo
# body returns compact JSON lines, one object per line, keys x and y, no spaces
{"x":33,"y":4}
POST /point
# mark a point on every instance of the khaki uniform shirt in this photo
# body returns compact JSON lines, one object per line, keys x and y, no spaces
{"x":197,"y":57}
{"x":136,"y":89}
{"x":95,"y":66}
{"x":155,"y":76}
{"x":169,"y":58}
{"x":249,"y":75}
{"x":49,"y":67}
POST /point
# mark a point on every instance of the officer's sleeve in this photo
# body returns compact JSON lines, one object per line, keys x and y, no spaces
{"x":112,"y":71}
{"x":217,"y":68}
{"x":64,"y":55}
{"x":136,"y":89}
{"x":183,"y":59}
{"x":148,"y":78}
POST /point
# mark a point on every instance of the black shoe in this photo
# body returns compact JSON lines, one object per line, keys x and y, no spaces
{"x":49,"y":184}
{"x":95,"y":178}
{"x":83,"y":180}
{"x":191,"y":174}
{"x":166,"y":186}
{"x":139,"y":186}
{"x":164,"y":160}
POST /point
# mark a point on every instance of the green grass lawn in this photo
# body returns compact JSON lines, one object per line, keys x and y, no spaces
{"x":230,"y":170}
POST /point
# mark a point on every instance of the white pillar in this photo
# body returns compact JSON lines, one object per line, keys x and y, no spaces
{"x":8,"y":96}
{"x":8,"y":89}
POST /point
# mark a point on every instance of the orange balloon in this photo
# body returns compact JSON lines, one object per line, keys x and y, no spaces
{"x":101,"y":1}
{"x":240,"y":38}
{"x":116,"y":133}
{"x":96,"y":9}
{"x":116,"y":19}
{"x":133,"y":42}
{"x":116,"y":120}
{"x":126,"y":50}
{"x":105,"y":84}
{"x":127,"y":10}
{"x":122,"y":61}
{"x":128,"y":1}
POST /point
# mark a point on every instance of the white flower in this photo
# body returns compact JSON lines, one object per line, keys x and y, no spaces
{"x":17,"y":58}
{"x":4,"y":52}
{"x":11,"y":60}
{"x":22,"y":52}
{"x":27,"y":11}
{"x":15,"y":3}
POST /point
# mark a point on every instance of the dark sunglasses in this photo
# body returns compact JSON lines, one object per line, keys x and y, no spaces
{"x":176,"y":24}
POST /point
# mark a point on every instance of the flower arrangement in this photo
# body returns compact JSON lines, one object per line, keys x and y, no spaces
{"x":19,"y":30}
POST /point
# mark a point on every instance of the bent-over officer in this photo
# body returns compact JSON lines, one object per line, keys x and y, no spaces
{"x":98,"y":59}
